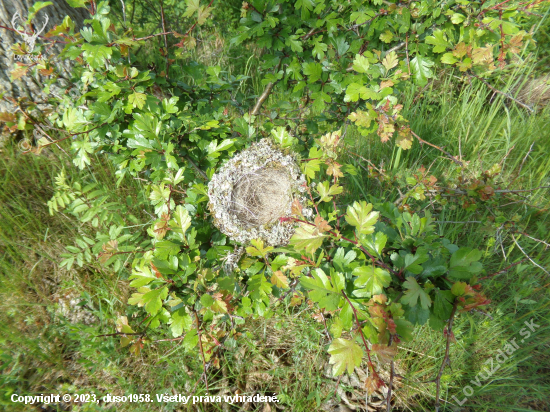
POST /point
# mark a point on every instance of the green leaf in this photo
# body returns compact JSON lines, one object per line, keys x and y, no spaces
{"x":308,"y":238}
{"x":137,"y":99}
{"x":344,"y":355}
{"x":340,"y":261}
{"x":96,"y":54}
{"x":404,"y":329}
{"x":327,"y":192}
{"x":443,"y":303}
{"x":464,"y":263}
{"x":359,"y":215}
{"x":77,"y":3}
{"x":191,"y":340}
{"x":180,"y":321}
{"x":153,"y":300}
{"x":457,"y":18}
{"x":165,"y":248}
{"x":322,"y":290}
{"x":360,"y":64}
{"x":355,"y":91}
{"x":192,"y":7}
{"x":207,"y":300}
{"x":439,"y":41}
{"x":141,"y":277}
{"x":282,"y":137}
{"x":421,"y":69}
{"x":313,"y":70}
{"x":294,"y":43}
{"x":181,"y":221}
{"x":372,"y":280}
{"x":214,"y":148}
{"x":336,"y":328}
{"x":257,"y":249}
{"x":448,"y":58}
{"x":259,"y":287}
{"x":459,"y":289}
{"x":319,"y":48}
{"x":414,"y":292}
{"x":311,"y":167}
{"x":417,"y":315}
{"x":387,"y":36}
{"x":376,"y":242}
{"x":35,"y":8}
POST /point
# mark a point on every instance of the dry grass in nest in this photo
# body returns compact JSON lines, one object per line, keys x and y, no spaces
{"x":261,"y":197}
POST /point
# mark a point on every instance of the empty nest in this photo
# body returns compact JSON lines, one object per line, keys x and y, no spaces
{"x":253,"y":190}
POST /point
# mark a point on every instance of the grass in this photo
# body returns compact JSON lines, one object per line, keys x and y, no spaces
{"x":42,"y":352}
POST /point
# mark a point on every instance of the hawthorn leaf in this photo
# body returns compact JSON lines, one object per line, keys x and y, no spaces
{"x":361,"y":216}
{"x":439,"y":41}
{"x":153,"y":299}
{"x":415,"y":292}
{"x":421,"y":69}
{"x":464,"y":263}
{"x":257,"y":249}
{"x":279,"y":279}
{"x":181,"y":221}
{"x":390,"y":61}
{"x":344,"y":355}
{"x":322,"y":291}
{"x":191,"y":340}
{"x":327,"y":192}
{"x":141,"y":277}
{"x":180,"y":321}
{"x":308,"y":238}
{"x":360,"y":64}
{"x":373,"y":280}
{"x":443,"y":303}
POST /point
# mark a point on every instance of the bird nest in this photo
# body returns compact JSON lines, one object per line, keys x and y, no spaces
{"x":253,"y":190}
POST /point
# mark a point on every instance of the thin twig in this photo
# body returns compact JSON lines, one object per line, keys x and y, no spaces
{"x":446,"y":359}
{"x":500,"y":272}
{"x":521,"y":165}
{"x":165,"y":39}
{"x":528,"y":257}
{"x":450,"y":156}
{"x":370,"y":364}
{"x":500,"y":92}
{"x":388,"y":400}
{"x":536,"y":240}
{"x":263,"y":97}
{"x":325,"y":325}
{"x":201,"y":350}
{"x":197,"y":168}
{"x":118,"y":334}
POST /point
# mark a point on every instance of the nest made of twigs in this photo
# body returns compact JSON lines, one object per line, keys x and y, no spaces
{"x":253,"y":190}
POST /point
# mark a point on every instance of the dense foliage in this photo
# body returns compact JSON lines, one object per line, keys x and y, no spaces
{"x":376,"y":269}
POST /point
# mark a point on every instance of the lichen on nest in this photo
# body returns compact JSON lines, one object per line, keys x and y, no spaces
{"x":253,"y":190}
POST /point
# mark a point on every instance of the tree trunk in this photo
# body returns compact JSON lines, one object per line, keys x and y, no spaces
{"x":29,"y":86}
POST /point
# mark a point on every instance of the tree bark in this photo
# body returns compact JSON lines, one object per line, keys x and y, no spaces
{"x":30,"y":86}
